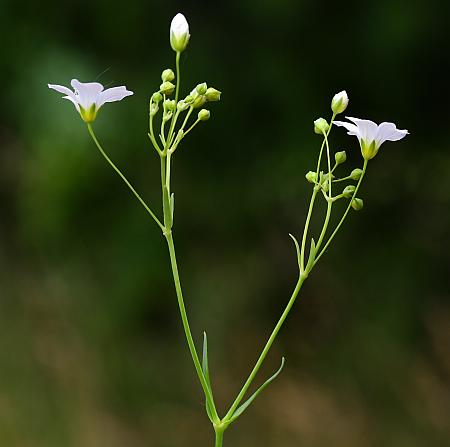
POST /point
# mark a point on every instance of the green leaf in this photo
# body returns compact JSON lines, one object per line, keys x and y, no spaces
{"x":172,"y":204}
{"x":247,"y":403}
{"x":312,"y":256}
{"x":297,"y":248}
{"x":205,"y":369}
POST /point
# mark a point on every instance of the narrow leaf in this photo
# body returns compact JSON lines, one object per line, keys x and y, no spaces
{"x":312,"y":256}
{"x":172,"y":204}
{"x":205,"y":369}
{"x":297,"y":248}
{"x":247,"y":403}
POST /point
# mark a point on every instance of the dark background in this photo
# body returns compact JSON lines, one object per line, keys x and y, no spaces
{"x":91,"y":347}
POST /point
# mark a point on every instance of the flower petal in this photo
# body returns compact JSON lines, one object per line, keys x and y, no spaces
{"x":367,"y":129}
{"x":73,"y":101}
{"x":62,"y":89}
{"x":389,"y":132}
{"x":86,"y":92}
{"x":112,"y":94}
{"x":352,"y":128}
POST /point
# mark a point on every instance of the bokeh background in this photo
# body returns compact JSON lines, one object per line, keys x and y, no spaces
{"x":91,"y":348}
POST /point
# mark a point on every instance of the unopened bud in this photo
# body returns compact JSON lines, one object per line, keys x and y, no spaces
{"x":321,"y":126}
{"x":311,"y":176}
{"x":356,"y":174}
{"x":339,"y":102}
{"x":179,"y":33}
{"x":348,"y":191}
{"x":198,"y":101}
{"x":357,"y":204}
{"x":167,"y":116}
{"x":157,"y":97}
{"x":340,"y":157}
{"x":212,"y":94}
{"x":201,"y":88}
{"x":154,"y":109}
{"x":189,"y":99}
{"x":182,"y":105}
{"x":204,"y":115}
{"x":168,"y":75}
{"x":170,"y":105}
{"x":166,"y":88}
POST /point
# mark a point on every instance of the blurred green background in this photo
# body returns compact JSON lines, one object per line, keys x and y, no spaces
{"x":91,"y":347}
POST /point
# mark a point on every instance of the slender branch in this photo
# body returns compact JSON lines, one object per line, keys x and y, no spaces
{"x":345,"y":214}
{"x":99,"y":147}
{"x":266,"y":349}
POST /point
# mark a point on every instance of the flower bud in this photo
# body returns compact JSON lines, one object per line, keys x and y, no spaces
{"x":167,"y":116}
{"x":356,"y":174}
{"x":201,"y":88}
{"x":182,"y":105}
{"x":311,"y":176}
{"x":212,"y":94}
{"x":339,"y":102}
{"x":321,"y":126}
{"x":198,"y":101}
{"x":170,"y":105}
{"x":166,"y":88}
{"x":357,"y":204}
{"x":157,"y":97}
{"x":340,"y":157}
{"x":189,"y":99}
{"x":179,"y":33}
{"x":204,"y":115}
{"x":168,"y":75}
{"x":154,"y":109}
{"x":348,"y":191}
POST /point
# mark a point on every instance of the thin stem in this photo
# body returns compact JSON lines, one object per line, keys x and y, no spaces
{"x":150,"y":128}
{"x":266,"y":349}
{"x":219,"y":438}
{"x":345,"y":214}
{"x":99,"y":147}
{"x":329,"y":201}
{"x":305,"y":231}
{"x":190,"y":128}
{"x":313,"y":197}
{"x":187,"y":330}
{"x":177,"y":63}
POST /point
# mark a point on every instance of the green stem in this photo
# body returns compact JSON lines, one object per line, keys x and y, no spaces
{"x":177,"y":64}
{"x":99,"y":147}
{"x":329,"y":201}
{"x":219,"y":438}
{"x":266,"y":349}
{"x":187,"y":330}
{"x":345,"y":214}
{"x":305,"y":231}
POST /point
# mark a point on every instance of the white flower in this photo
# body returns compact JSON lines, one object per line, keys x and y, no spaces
{"x":371,"y":135}
{"x":179,"y":33}
{"x":339,"y":102}
{"x":88,"y":97}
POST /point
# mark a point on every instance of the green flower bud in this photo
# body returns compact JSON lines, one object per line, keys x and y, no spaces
{"x":339,"y":102}
{"x":311,"y":176}
{"x":357,"y":204}
{"x":201,"y":88}
{"x":157,"y":97}
{"x":168,"y":75}
{"x":348,"y":191}
{"x":321,"y":126}
{"x":356,"y":174}
{"x":189,"y":99}
{"x":340,"y":157}
{"x":204,"y":115}
{"x":212,"y":94}
{"x":167,"y":116}
{"x":166,"y":88}
{"x":154,"y":109}
{"x":199,"y":101}
{"x":170,"y":105}
{"x":182,"y":105}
